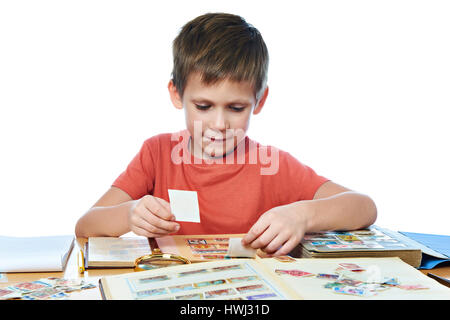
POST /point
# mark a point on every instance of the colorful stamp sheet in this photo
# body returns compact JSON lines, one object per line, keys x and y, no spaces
{"x":348,"y":238}
{"x":323,"y":243}
{"x":351,"y":266}
{"x":44,"y":289}
{"x":219,"y":293}
{"x":294,"y":273}
{"x":201,"y":246}
{"x":285,"y":259}
{"x":208,"y":251}
{"x":354,"y":291}
{"x":209,"y":283}
{"x":250,"y":288}
{"x":6,"y":293}
{"x":193,"y":272}
{"x":194,"y":296}
{"x":261,"y":296}
{"x":149,"y":293}
{"x":213,"y":256}
{"x":181,"y":287}
{"x":44,"y":293}
{"x":242,"y":279}
{"x":153,"y":279}
{"x":338,"y":246}
{"x":391,"y":282}
{"x":227,"y":268}
{"x":196,"y":241}
{"x":412,"y":287}
{"x":30,"y":286}
{"x":350,"y":282}
{"x":327,"y":276}
{"x":234,"y":280}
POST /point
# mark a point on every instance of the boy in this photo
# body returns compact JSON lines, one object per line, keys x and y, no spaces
{"x":219,"y":79}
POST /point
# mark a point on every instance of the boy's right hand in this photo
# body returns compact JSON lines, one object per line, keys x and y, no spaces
{"x":151,"y":217}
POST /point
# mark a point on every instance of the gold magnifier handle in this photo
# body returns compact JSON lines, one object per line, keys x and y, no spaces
{"x":154,"y":246}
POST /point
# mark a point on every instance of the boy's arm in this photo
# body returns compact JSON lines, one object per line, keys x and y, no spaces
{"x":116,"y":213}
{"x":333,"y":207}
{"x":107,"y":217}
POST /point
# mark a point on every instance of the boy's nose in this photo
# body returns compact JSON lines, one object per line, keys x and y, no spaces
{"x":219,"y":122}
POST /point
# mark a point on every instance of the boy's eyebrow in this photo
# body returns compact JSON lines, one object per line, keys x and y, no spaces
{"x":235,"y":101}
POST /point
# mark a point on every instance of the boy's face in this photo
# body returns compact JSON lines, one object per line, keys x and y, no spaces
{"x":217,"y":115}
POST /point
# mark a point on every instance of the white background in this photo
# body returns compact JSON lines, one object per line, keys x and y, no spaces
{"x":359,"y":91}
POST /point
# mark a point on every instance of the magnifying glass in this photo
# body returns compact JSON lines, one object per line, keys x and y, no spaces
{"x":157,"y":259}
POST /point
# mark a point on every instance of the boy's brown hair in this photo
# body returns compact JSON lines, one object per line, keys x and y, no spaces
{"x":220,"y":46}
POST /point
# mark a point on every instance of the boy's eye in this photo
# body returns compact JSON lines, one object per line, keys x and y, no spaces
{"x":206,"y":107}
{"x":202,"y":107}
{"x":237,"y":109}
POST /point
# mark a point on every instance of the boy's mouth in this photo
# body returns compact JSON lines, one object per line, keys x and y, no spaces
{"x":216,"y":138}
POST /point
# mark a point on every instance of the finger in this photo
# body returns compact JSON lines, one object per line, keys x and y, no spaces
{"x":150,"y":227}
{"x":287,"y":247}
{"x":290,"y":244}
{"x":264,"y":239}
{"x":276,"y":243}
{"x":167,"y":226}
{"x":142,"y":232}
{"x":155,"y":206}
{"x":143,"y":213}
{"x":255,"y":231}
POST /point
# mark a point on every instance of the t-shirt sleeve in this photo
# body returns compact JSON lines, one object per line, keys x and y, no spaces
{"x":299,"y":181}
{"x":138,"y":178}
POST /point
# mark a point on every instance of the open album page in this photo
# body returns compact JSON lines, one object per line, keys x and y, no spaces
{"x":116,"y":252}
{"x":240,"y":279}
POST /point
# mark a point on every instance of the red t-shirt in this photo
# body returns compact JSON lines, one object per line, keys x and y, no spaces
{"x":233,"y":194}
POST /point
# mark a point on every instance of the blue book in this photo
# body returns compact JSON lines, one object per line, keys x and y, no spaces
{"x":435,"y":248}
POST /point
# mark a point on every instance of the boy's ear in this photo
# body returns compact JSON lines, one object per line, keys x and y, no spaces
{"x":174,"y":95}
{"x":261,"y":101}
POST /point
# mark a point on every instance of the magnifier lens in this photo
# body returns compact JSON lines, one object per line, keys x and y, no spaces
{"x":159,"y":261}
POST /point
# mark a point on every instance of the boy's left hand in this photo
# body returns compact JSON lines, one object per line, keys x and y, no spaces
{"x":278,"y":230}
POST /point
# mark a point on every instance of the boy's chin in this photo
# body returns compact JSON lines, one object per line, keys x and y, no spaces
{"x":217,"y":151}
